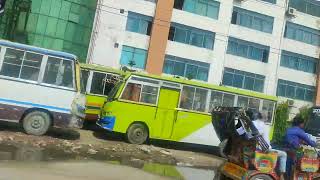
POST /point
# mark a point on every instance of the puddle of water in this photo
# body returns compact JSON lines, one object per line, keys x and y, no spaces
{"x":15,"y":153}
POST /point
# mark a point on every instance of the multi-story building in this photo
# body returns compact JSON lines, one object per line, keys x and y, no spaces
{"x":63,"y":25}
{"x":269,"y":46}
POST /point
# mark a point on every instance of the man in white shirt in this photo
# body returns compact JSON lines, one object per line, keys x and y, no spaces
{"x":264,"y":130}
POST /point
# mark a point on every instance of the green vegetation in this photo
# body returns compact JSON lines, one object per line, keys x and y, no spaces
{"x":305,"y":112}
{"x":281,"y":121}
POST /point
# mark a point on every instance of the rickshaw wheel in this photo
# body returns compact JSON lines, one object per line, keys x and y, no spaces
{"x":261,"y":177}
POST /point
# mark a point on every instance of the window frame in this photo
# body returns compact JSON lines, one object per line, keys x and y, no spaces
{"x":140,"y":18}
{"x":295,"y":85}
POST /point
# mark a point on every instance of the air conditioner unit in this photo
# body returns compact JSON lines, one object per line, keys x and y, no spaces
{"x":291,"y":12}
{"x":290,"y":102}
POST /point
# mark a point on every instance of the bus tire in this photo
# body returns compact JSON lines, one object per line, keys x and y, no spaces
{"x":261,"y":177}
{"x":137,"y":133}
{"x":36,"y":123}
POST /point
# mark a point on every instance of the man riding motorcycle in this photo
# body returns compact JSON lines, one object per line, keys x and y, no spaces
{"x":296,"y":136}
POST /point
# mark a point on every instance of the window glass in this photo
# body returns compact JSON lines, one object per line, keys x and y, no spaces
{"x":242,"y":79}
{"x":12,"y":63}
{"x":84,"y":80}
{"x":254,"y":104}
{"x":295,"y":90}
{"x":132,"y":92}
{"x":191,"y":71}
{"x":306,"y":6}
{"x":252,"y":20}
{"x":298,"y":62}
{"x":216,"y":99}
{"x":187,"y":97}
{"x":97,"y":84}
{"x":59,"y":72}
{"x":243,"y":102}
{"x":186,"y":68}
{"x":149,"y":94}
{"x":228,"y":100}
{"x":133,"y":57}
{"x":268,"y":108}
{"x":31,"y":66}
{"x":139,"y":23}
{"x":302,"y":33}
{"x":200,"y":100}
{"x":190,"y":35}
{"x":248,"y":50}
{"x":208,"y":8}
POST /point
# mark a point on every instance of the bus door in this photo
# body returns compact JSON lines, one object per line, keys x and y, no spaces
{"x":166,"y":112}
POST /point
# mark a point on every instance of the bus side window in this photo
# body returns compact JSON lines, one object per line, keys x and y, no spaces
{"x":268,"y":107}
{"x":149,"y":94}
{"x":228,"y":100}
{"x":243,"y":102}
{"x":22,"y":65}
{"x":132,"y":92}
{"x":187,"y":96}
{"x":215,"y":100}
{"x":84,"y":80}
{"x":59,"y":72}
{"x":97,"y":83}
{"x":200,"y":100}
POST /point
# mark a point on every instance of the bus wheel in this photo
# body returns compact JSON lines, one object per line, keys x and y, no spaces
{"x":137,"y":133}
{"x":36,"y":123}
{"x":261,"y":177}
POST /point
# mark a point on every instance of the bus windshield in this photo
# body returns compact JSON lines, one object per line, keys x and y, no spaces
{"x":313,"y":124}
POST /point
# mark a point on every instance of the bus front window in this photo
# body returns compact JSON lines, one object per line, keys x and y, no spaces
{"x":114,"y":90}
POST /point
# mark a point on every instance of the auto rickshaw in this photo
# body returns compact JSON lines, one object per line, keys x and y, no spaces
{"x":247,"y":162}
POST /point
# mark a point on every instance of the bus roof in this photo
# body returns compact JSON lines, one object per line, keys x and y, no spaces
{"x":101,"y":68}
{"x":209,"y":86}
{"x":38,"y":50}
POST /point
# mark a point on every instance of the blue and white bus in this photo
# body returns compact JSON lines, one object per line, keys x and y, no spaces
{"x":39,"y":88}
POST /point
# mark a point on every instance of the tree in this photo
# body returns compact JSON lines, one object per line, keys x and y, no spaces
{"x":281,"y":122}
{"x":305,"y":112}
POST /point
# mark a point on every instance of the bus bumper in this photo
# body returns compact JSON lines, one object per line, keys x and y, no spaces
{"x":107,"y":122}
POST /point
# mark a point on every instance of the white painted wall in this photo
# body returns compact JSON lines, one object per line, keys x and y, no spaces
{"x":110,"y":30}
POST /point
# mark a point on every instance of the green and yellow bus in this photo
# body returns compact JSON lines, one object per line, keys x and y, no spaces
{"x":98,"y":82}
{"x":147,"y":106}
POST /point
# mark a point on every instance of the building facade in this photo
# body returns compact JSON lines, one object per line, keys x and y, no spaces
{"x":268,"y":46}
{"x":63,"y":25}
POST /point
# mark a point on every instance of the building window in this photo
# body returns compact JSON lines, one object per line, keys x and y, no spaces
{"x":193,"y":36}
{"x":244,"y":80}
{"x":208,"y":8}
{"x":186,"y":68}
{"x":299,"y":62}
{"x":302,"y":34}
{"x":295,"y":90}
{"x":139,"y":23}
{"x":133,"y":57}
{"x":311,"y":7}
{"x":252,"y":20}
{"x":248,"y":49}
{"x":271,"y":1}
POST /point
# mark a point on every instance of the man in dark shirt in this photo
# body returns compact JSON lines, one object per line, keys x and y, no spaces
{"x":295,"y":136}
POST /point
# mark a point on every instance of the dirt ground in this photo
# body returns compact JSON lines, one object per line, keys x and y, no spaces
{"x":100,"y":145}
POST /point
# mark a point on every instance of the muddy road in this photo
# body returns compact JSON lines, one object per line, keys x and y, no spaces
{"x":96,"y":155}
